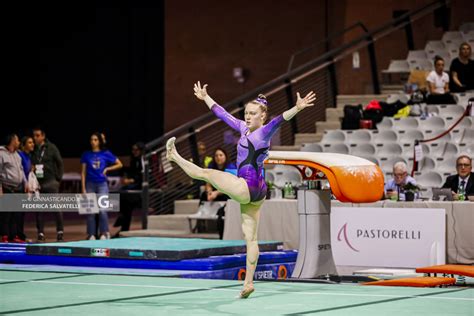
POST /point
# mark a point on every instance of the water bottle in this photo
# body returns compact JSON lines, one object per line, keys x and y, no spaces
{"x":291,"y":191}
{"x":461,"y":193}
{"x":285,"y":191}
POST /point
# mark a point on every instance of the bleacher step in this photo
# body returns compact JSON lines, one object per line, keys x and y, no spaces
{"x":334,"y":114}
{"x":302,"y":138}
{"x":328,"y":125}
{"x":178,"y":222}
{"x":186,"y":206}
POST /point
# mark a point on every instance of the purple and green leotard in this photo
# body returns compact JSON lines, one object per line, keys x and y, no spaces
{"x":252,"y":150}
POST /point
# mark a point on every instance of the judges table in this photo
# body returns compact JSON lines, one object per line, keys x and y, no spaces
{"x":279,"y":221}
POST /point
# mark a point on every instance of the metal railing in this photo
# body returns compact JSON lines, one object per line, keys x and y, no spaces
{"x":164,"y":183}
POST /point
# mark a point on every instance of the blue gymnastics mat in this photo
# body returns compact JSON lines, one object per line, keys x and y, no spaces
{"x":148,"y":248}
{"x":272,"y":264}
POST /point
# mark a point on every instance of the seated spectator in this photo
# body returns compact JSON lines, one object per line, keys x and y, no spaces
{"x":462,"y":70}
{"x":438,"y":80}
{"x":438,"y":84}
{"x":394,"y":188}
{"x":220,"y":161}
{"x":464,"y":177}
{"x":130,"y":193}
{"x":204,"y":160}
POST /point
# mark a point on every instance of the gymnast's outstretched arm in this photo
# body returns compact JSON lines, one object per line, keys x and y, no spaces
{"x":219,"y":111}
{"x":301,"y":103}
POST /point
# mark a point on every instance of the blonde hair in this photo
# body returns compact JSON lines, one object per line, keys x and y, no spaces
{"x":261,"y":101}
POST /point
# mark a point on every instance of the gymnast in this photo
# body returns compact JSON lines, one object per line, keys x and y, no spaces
{"x":248,"y":187}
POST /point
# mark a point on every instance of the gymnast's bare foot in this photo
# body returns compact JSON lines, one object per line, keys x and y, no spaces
{"x":170,"y":149}
{"x":245,"y":293}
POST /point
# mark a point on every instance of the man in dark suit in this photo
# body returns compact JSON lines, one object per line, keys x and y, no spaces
{"x":464,"y":177}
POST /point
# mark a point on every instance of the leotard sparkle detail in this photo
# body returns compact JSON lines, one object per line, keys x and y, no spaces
{"x":252,"y":150}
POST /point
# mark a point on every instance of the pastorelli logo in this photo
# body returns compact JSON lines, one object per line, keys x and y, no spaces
{"x":343,"y":231}
{"x":377,"y":233}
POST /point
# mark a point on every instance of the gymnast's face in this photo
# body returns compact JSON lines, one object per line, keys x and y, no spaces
{"x":254,"y":116}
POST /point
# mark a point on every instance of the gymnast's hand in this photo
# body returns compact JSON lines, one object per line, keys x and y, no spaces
{"x":199,"y":92}
{"x":307,"y":101}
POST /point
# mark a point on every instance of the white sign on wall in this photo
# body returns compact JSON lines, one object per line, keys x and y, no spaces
{"x":388,"y":237}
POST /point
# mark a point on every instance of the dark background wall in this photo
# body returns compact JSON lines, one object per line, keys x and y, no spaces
{"x":100,"y":67}
{"x":205,"y":40}
{"x":127,"y":67}
{"x":262,"y":35}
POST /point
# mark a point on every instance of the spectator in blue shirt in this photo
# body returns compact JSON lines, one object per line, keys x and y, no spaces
{"x":220,"y":161}
{"x":27,"y":147}
{"x":400,"y":178}
{"x":96,"y":163}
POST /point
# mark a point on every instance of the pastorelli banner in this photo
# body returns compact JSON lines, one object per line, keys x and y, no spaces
{"x":388,"y":237}
{"x":88,"y":203}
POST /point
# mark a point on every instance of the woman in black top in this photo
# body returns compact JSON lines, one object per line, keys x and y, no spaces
{"x":462,"y":70}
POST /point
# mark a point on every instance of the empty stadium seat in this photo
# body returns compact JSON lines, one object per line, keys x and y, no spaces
{"x":402,"y":97}
{"x":467,"y":149}
{"x":432,"y":123}
{"x":453,"y":49}
{"x":386,"y":123}
{"x":408,"y":150}
{"x":384,"y":136}
{"x":429,"y":179}
{"x":397,"y":66}
{"x":362,"y":149}
{"x":441,"y":149}
{"x":333,"y":136}
{"x":358,"y":136}
{"x":420,"y":64}
{"x":312,"y":147}
{"x":446,"y":165}
{"x":389,"y":149}
{"x":452,"y":110}
{"x":430,"y":134}
{"x":432,"y":46}
{"x":416,"y":54}
{"x":463,"y":98}
{"x":285,"y":173}
{"x":426,"y":164}
{"x":469,"y":37}
{"x":467,"y":136}
{"x":409,"y":136}
{"x":405,"y":123}
{"x":452,"y":37}
{"x":467,"y":122}
{"x":336,"y":148}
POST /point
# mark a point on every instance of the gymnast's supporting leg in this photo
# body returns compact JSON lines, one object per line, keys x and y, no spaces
{"x":235,"y":187}
{"x":250,"y":218}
